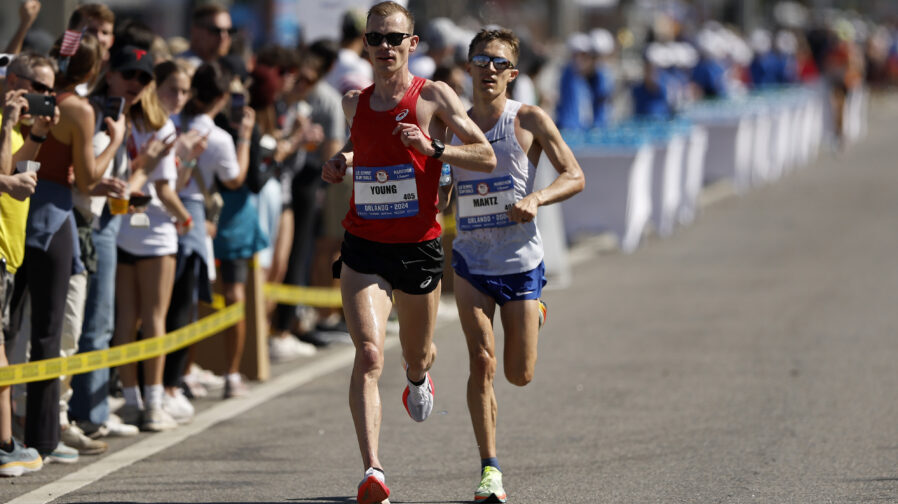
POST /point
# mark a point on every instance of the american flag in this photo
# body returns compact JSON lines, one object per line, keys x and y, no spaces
{"x":70,"y":42}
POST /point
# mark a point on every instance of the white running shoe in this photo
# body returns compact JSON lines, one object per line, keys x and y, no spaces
{"x":418,"y":400}
{"x":156,"y":419}
{"x":178,"y":406}
{"x":287,"y":348}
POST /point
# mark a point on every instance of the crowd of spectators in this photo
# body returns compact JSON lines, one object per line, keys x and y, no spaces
{"x":167,"y":166}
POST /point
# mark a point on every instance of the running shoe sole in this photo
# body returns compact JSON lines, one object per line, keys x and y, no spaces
{"x":14,"y":469}
{"x":372,"y":491}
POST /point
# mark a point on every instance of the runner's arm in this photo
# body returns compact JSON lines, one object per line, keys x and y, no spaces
{"x":475,"y":153}
{"x":570,"y":178}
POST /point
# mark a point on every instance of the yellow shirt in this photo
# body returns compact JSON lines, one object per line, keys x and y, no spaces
{"x":13,"y":218}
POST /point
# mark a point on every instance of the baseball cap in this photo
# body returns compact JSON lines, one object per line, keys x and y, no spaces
{"x":131,"y":58}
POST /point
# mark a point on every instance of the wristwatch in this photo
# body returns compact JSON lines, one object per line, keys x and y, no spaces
{"x":438,"y":148}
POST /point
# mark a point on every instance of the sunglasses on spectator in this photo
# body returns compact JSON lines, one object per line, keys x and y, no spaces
{"x":38,"y":87}
{"x":142,"y":77}
{"x":394,"y":39}
{"x":483,"y":61}
{"x":215,"y":30}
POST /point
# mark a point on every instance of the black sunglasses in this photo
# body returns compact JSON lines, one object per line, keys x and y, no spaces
{"x":142,"y":77}
{"x":483,"y":61}
{"x":394,"y":39}
{"x":39,"y":87}
{"x":215,"y":30}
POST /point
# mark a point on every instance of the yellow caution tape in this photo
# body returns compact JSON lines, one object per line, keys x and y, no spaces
{"x":318,"y":297}
{"x":122,"y":354}
{"x":141,"y":350}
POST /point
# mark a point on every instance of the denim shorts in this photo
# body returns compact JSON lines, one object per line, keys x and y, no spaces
{"x":504,"y":288}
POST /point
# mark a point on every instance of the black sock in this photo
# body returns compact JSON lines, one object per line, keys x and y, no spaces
{"x":8,"y":447}
{"x":417,"y":383}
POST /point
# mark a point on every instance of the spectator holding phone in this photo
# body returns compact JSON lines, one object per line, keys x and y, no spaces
{"x":221,"y":164}
{"x":15,"y":189}
{"x":67,"y":159}
{"x":147,"y":245}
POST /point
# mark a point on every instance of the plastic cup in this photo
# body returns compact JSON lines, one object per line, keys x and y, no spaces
{"x":118,"y":206}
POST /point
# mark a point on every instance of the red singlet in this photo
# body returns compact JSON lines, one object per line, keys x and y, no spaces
{"x":394,"y":196}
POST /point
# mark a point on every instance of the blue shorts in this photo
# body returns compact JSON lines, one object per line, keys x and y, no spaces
{"x":504,"y":288}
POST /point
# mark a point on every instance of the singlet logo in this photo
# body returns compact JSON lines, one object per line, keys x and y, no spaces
{"x":381,"y":176}
{"x":483,"y":188}
{"x":400,"y":116}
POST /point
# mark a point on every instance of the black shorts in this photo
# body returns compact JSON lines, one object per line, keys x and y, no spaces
{"x":6,"y":288}
{"x":413,"y":268}
{"x":125,"y":257}
{"x":234,"y":271}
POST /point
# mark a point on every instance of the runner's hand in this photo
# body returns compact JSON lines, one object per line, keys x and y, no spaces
{"x":412,"y":136}
{"x":525,"y":209}
{"x":334,"y":169}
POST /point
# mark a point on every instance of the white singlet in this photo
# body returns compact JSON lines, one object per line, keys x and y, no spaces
{"x":491,"y":243}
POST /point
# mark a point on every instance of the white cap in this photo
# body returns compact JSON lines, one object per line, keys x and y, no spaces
{"x":602,"y":41}
{"x":659,"y":55}
{"x":760,"y":41}
{"x":579,"y":42}
{"x":786,"y":42}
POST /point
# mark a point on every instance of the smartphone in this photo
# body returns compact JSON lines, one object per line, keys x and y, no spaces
{"x":112,"y":107}
{"x":238,"y":101}
{"x":40,"y":104}
{"x":139,"y":200}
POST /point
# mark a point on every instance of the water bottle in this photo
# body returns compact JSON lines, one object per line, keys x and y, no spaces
{"x":446,"y":175}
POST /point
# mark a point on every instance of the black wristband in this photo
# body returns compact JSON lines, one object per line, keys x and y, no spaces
{"x":37,"y":139}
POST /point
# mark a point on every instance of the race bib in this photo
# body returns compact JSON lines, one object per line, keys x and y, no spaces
{"x":484,"y":203}
{"x":385,"y":192}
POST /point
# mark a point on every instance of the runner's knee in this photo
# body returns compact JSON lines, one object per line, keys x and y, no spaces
{"x":483,"y":364}
{"x":369,"y":358}
{"x":519,"y":375}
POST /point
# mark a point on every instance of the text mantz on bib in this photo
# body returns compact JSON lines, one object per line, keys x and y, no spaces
{"x":385,"y":192}
{"x":484,"y":203}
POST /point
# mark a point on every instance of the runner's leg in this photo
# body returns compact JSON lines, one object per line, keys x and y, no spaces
{"x":520,"y":322}
{"x":367,"y":304}
{"x":417,"y":320}
{"x":476,"y":311}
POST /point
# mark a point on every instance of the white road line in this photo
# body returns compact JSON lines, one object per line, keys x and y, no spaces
{"x":223,"y":411}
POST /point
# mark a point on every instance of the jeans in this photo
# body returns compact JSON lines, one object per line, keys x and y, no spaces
{"x":91,"y":390}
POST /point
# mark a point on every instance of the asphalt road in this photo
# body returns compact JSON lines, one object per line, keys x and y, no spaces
{"x":748,"y":358}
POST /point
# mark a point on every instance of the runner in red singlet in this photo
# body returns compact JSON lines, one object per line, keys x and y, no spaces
{"x":391,"y":249}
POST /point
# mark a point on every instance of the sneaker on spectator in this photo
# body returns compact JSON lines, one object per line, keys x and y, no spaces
{"x":115,"y":402}
{"x":206,"y":378}
{"x":286,"y":348}
{"x":20,"y":460}
{"x":156,"y":419}
{"x":178,"y":406}
{"x":191,"y":386}
{"x":235,"y":387}
{"x":131,"y":414}
{"x":74,"y":437}
{"x":112,"y":427}
{"x":62,"y":454}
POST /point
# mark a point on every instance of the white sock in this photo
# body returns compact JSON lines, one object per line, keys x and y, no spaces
{"x":132,"y":396}
{"x":153,"y":394}
{"x":234,"y":377}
